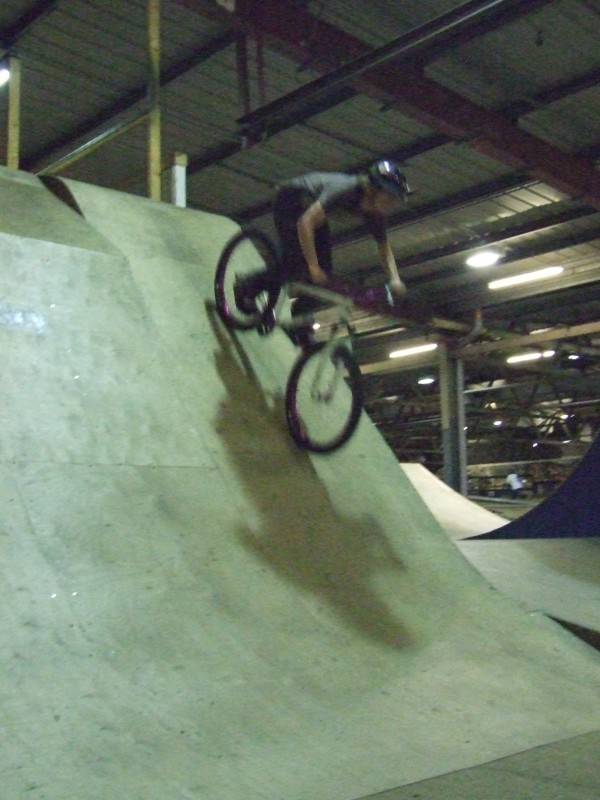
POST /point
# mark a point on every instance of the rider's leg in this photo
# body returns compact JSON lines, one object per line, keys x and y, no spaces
{"x":304,"y":305}
{"x":246,"y":288}
{"x":287,"y":208}
{"x":290,"y":203}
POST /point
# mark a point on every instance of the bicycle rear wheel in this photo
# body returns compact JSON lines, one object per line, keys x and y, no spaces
{"x":249,"y":252}
{"x":323,"y":398}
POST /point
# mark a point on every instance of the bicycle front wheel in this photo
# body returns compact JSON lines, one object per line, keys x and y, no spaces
{"x":323,"y":398}
{"x":248,"y":253}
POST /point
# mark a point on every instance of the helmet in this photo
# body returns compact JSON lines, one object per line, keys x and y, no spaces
{"x":387,"y":175}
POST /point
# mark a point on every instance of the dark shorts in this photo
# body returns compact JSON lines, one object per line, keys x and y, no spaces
{"x":290,"y":204}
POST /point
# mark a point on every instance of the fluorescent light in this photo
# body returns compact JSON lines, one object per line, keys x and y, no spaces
{"x":526,"y":277}
{"x":425,"y":381}
{"x":413,"y":351}
{"x":530,"y":356}
{"x":4,"y":76}
{"x":484,"y":258}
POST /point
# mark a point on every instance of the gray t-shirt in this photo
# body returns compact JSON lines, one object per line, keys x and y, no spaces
{"x":338,"y":192}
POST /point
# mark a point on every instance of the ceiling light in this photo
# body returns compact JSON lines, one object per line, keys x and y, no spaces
{"x":426,"y":381}
{"x":413,"y":351}
{"x":497,"y":423}
{"x":484,"y":258}
{"x":4,"y":76}
{"x":533,"y":356}
{"x":526,"y":277}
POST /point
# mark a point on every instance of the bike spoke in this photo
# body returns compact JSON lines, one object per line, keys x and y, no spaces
{"x":323,"y":399}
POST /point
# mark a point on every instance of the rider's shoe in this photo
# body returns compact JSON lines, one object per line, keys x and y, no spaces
{"x":243,"y":301}
{"x":267,"y":323}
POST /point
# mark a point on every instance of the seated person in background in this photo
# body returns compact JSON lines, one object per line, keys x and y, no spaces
{"x":515,"y":484}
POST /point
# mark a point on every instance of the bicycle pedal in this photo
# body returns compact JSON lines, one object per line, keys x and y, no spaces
{"x":266,"y":324}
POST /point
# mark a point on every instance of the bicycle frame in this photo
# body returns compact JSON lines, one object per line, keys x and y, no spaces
{"x":343,"y":305}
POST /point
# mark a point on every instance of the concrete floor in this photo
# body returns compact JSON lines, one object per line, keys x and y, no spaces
{"x":192,"y":608}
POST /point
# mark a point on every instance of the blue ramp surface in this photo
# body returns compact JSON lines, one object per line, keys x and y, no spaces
{"x":573,"y":511}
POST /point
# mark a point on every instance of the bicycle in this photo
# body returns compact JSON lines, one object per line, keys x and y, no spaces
{"x":323,"y":397}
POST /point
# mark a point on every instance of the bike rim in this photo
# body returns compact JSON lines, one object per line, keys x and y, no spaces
{"x":248,"y":253}
{"x":324,"y":400}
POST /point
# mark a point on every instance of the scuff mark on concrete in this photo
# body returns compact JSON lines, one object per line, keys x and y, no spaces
{"x":27,"y":320}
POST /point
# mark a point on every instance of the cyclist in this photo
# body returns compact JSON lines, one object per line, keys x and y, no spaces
{"x":301,"y":212}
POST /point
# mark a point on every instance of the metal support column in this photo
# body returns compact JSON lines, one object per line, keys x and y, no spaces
{"x":454,"y":440}
{"x":14,"y":113}
{"x":154,"y":143}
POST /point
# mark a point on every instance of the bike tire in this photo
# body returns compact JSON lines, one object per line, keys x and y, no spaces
{"x":249,"y":251}
{"x":314,"y":426}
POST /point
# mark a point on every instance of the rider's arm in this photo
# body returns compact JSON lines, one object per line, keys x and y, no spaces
{"x":388,"y":262}
{"x":313,"y":218}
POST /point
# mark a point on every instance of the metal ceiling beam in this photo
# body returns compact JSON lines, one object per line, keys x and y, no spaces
{"x":517,"y":253}
{"x":10,"y":36}
{"x":448,"y":203}
{"x":481,"y":26}
{"x":529,"y":340}
{"x":128,"y":102}
{"x":471,"y":296}
{"x":418,"y":41}
{"x":229,"y":148}
{"x":535,"y":307}
{"x":498,"y":236}
{"x":553,"y":94}
{"x":285,"y":24}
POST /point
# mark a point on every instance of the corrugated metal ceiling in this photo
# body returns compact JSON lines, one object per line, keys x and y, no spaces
{"x":534,"y":64}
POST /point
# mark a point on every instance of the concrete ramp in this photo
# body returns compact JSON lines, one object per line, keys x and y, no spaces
{"x":192,"y":608}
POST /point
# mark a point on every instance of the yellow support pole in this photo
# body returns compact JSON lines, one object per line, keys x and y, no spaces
{"x":154,"y":143}
{"x":14,"y":113}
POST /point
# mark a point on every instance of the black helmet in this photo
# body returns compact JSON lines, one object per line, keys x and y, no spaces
{"x":387,"y":175}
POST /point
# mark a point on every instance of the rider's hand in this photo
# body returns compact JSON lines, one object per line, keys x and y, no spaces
{"x":317,"y":275}
{"x":397,"y":287}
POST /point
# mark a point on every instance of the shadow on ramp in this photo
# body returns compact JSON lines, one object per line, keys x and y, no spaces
{"x":300,"y":535}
